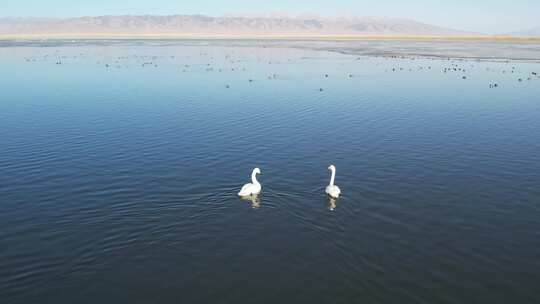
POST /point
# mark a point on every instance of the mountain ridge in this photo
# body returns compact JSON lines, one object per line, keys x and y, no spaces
{"x":532,"y":32}
{"x":134,"y":25}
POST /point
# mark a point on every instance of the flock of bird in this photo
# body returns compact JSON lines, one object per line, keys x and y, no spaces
{"x":332,"y":190}
{"x":153,"y":61}
{"x":254,"y":188}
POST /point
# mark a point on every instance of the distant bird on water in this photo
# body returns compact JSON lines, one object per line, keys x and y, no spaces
{"x":333,"y":190}
{"x":252,"y":188}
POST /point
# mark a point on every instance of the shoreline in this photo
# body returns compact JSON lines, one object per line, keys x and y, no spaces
{"x":126,"y":36}
{"x":481,"y":48}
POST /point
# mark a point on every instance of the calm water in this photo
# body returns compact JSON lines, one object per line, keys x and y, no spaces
{"x":118,"y":184}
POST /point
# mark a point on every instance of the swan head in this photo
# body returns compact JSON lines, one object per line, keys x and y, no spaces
{"x":332,"y":168}
{"x":256,"y":171}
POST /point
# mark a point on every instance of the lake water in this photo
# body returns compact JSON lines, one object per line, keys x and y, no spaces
{"x":120,"y":163}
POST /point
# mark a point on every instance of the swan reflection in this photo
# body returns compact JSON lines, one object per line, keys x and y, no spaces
{"x":255,"y":201}
{"x":332,"y":203}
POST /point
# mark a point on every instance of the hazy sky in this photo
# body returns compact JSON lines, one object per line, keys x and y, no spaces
{"x":489,"y":16}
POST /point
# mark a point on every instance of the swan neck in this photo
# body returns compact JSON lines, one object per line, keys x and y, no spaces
{"x":254,"y":177}
{"x":333,"y":177}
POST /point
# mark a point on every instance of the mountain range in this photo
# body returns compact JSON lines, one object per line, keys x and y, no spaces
{"x":534,"y":32}
{"x":199,"y":25}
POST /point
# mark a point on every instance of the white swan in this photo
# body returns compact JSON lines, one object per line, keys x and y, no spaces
{"x":333,"y":190}
{"x":252,"y":188}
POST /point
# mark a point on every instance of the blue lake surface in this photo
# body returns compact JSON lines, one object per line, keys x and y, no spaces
{"x":120,"y":163}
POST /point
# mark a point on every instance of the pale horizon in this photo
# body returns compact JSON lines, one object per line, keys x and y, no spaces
{"x":485,"y":17}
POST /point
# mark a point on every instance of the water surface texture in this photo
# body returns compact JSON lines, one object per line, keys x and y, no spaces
{"x":120,"y":163}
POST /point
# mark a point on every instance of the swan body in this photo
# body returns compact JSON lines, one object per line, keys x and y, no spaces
{"x":252,"y":188}
{"x":333,"y":190}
